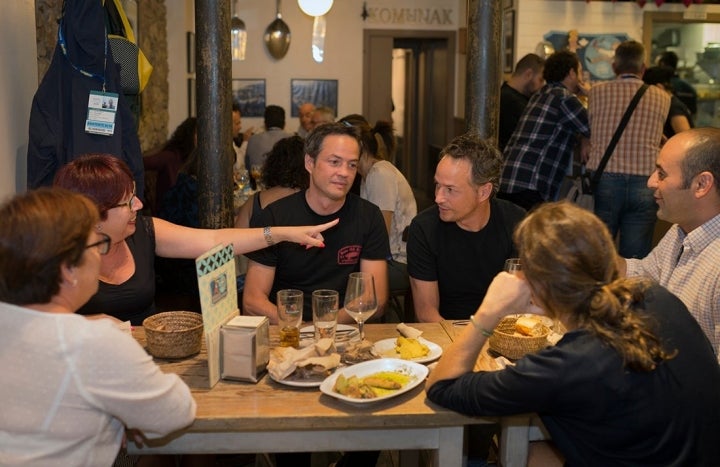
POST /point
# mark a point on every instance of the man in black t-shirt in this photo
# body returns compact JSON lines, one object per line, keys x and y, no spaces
{"x":457,"y":247}
{"x":359,"y":242}
{"x":515,"y":94}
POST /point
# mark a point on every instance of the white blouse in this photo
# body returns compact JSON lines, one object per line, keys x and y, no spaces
{"x":70,"y":385}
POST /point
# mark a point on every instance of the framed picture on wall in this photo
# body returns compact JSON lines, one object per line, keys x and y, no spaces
{"x":192,"y":112}
{"x":250,"y":96}
{"x":508,"y":34}
{"x":190,"y":44}
{"x":320,"y":92}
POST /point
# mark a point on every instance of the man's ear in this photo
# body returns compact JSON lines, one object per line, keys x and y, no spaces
{"x":309,"y":163}
{"x":703,"y":184}
{"x":484,"y":191}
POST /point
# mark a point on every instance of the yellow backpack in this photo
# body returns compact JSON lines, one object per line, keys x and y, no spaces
{"x":135,"y":68}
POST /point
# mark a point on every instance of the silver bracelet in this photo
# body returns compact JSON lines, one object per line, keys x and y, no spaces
{"x":268,"y":236}
{"x":482,"y":330}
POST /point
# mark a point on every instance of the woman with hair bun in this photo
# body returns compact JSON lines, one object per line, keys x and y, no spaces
{"x":634,"y":381}
{"x":385,"y":186}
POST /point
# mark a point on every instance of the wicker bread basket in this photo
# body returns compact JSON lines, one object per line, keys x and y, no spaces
{"x":507,"y":343}
{"x":173,"y":334}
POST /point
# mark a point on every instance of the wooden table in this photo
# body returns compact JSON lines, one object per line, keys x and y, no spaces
{"x":237,"y":417}
{"x":516,"y":431}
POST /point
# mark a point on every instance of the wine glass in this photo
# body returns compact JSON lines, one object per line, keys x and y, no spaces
{"x":360,"y":298}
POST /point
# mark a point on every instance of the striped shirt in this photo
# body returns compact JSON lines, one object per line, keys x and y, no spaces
{"x":540,"y":149}
{"x":689,"y":266}
{"x":639,"y":144}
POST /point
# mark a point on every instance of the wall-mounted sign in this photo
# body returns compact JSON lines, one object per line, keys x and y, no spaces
{"x":418,"y":14}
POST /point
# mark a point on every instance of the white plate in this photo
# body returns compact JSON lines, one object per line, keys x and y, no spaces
{"x":386,"y":349}
{"x":416,"y":371}
{"x":298,"y":383}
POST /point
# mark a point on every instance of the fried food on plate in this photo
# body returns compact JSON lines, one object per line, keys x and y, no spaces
{"x":410,"y":348}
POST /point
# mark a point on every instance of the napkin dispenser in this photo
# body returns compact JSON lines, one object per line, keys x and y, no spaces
{"x":244,"y":348}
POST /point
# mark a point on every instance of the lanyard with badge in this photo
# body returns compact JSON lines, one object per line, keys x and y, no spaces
{"x":102,"y":105}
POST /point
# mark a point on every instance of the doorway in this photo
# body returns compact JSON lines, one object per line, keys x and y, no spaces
{"x":696,"y":41}
{"x":409,"y":79}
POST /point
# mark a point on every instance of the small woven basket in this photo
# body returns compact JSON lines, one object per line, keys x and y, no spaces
{"x":173,"y":334}
{"x":505,"y":342}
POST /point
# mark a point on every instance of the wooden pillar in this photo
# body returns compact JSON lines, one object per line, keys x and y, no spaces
{"x":484,"y":70}
{"x":214,"y":112}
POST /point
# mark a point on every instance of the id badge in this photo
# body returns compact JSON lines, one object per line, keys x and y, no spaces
{"x":102,"y":108}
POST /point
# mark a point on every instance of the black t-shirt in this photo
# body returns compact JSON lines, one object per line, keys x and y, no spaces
{"x":512,"y":105}
{"x":676,"y":108}
{"x":360,"y":234}
{"x":463,"y":263}
{"x":134,"y":299}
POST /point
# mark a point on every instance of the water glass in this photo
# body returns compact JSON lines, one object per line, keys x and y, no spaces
{"x":290,"y":311}
{"x":325,"y":313}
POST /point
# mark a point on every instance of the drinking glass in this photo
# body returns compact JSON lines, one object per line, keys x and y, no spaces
{"x":290,"y":310}
{"x":325,"y":304}
{"x":256,"y":172}
{"x":241,"y":178}
{"x":360,"y":298}
{"x":512,"y":265}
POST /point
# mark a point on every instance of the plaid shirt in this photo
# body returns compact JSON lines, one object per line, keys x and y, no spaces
{"x":540,"y":150}
{"x":639,"y":144}
{"x":689,"y":266}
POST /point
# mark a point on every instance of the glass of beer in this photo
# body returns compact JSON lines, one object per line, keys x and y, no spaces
{"x":290,"y":311}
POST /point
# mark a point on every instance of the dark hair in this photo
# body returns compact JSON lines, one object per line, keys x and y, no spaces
{"x":669,"y":58}
{"x":484,"y":157}
{"x":316,"y":138}
{"x":659,"y":75}
{"x":529,"y":62}
{"x":559,"y":65}
{"x":40,"y":231}
{"x":182,"y":140}
{"x":235,"y":107}
{"x":103,"y":178}
{"x":384,"y":148}
{"x":274,"y":117}
{"x":629,"y":57}
{"x":285,"y":165}
{"x":569,"y":260}
{"x":702,"y":155}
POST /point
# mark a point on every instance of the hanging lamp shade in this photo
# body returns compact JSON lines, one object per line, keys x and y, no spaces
{"x":315,"y":7}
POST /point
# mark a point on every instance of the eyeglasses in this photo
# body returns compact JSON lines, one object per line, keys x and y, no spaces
{"x":128,"y":203}
{"x":103,"y":245}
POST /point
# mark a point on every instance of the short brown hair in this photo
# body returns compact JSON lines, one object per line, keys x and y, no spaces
{"x":103,"y":178}
{"x":629,"y":57}
{"x":315,"y":140}
{"x":484,"y":158}
{"x":40,"y":231}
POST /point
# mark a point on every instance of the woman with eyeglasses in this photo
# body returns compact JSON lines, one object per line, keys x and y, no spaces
{"x":127,"y":272}
{"x":70,"y":384}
